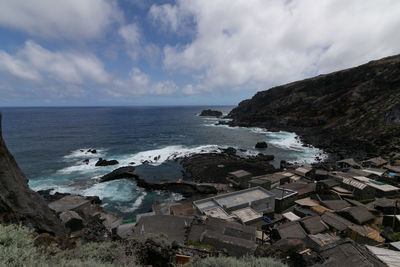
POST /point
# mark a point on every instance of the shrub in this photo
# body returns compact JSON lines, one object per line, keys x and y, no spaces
{"x":17,"y":248}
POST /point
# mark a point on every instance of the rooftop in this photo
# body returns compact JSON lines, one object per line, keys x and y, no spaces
{"x":247,"y":215}
{"x":281,"y":193}
{"x":240,"y":173}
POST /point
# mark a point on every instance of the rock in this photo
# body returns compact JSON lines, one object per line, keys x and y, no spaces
{"x":18,"y":203}
{"x":93,"y":151}
{"x":230,"y":151}
{"x":261,"y":145}
{"x":71,"y":220}
{"x":86,"y":161}
{"x":211,"y":113}
{"x":120,"y":173}
{"x":104,"y":162}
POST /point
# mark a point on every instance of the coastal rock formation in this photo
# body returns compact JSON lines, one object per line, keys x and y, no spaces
{"x":18,"y":203}
{"x":120,"y":173}
{"x":211,"y":113}
{"x":349,"y":112}
{"x":215,"y":167}
{"x":261,"y":145}
{"x":104,"y":162}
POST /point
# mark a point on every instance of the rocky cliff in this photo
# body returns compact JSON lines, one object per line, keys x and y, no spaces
{"x":18,"y":203}
{"x":349,"y":112}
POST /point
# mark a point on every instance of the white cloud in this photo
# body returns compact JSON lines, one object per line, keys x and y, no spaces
{"x":33,"y":61}
{"x":71,"y":19}
{"x":139,"y":84}
{"x":258,"y":43}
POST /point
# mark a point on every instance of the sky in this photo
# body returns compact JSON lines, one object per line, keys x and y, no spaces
{"x":182,"y":52}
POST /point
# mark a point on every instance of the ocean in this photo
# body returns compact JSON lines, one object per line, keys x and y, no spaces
{"x":50,"y":146}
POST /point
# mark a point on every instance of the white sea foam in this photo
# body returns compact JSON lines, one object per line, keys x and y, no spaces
{"x":134,"y":206}
{"x":83,"y":154}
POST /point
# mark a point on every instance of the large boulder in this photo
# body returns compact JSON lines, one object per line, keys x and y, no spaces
{"x":120,"y":173}
{"x":20,"y":204}
{"x":211,"y":113}
{"x":261,"y":145}
{"x":104,"y":162}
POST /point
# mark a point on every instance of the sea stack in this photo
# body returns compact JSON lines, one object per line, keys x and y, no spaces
{"x":20,"y":204}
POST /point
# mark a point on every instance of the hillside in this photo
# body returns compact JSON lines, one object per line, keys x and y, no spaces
{"x":349,"y":113}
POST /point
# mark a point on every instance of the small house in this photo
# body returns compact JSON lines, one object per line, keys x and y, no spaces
{"x":291,"y":230}
{"x":360,"y":189}
{"x":336,"y":205}
{"x":335,"y":222}
{"x":239,"y":178}
{"x":284,"y":198}
{"x":377,"y":162}
{"x":357,"y":214}
{"x":305,"y":171}
{"x":266,"y":184}
{"x":346,"y":164}
{"x":313,"y":225}
{"x":274,"y":179}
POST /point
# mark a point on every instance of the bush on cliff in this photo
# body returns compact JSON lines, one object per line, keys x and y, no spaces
{"x":17,"y":248}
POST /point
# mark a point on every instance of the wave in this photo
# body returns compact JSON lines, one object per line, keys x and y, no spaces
{"x":84,"y":154}
{"x":134,"y":206}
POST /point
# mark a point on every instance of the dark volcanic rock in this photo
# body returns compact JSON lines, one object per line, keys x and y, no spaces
{"x":120,"y":173}
{"x":261,"y":145}
{"x":18,"y":203}
{"x":215,"y":167}
{"x":355,"y":111}
{"x":104,"y":162}
{"x":211,"y":113}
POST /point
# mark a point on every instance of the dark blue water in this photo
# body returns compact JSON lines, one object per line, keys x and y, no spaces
{"x":50,"y":145}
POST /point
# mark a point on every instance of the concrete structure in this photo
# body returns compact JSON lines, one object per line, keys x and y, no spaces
{"x":246,"y":205}
{"x":266,"y":184}
{"x":284,"y":198}
{"x":274,"y":179}
{"x":305,"y":171}
{"x":239,"y":178}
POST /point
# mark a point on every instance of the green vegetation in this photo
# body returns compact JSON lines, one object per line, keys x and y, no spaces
{"x":17,"y":248}
{"x":233,"y":262}
{"x":197,"y":244}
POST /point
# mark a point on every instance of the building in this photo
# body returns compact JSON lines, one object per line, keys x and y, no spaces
{"x":346,"y":164}
{"x":266,"y":184}
{"x":247,"y":205}
{"x":284,"y":198}
{"x":377,"y":162}
{"x":303,"y":189}
{"x":384,"y":190}
{"x":305,"y":171}
{"x":335,"y":222}
{"x":313,"y":225}
{"x":274,"y":179}
{"x":290,"y":230}
{"x":239,"y":178}
{"x":358,"y":187}
{"x":357,"y":214}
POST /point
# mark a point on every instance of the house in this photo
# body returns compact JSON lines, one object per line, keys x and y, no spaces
{"x":174,"y":227}
{"x":357,"y":214}
{"x":386,"y":206}
{"x":387,"y":256}
{"x":239,"y":178}
{"x":321,"y":175}
{"x":313,"y":225}
{"x":335,"y":222}
{"x":284,"y":198}
{"x":348,"y":253}
{"x":291,"y":230}
{"x":266,"y":184}
{"x":303,"y":189}
{"x":253,"y":203}
{"x":364,"y":235}
{"x":237,"y":239}
{"x":384,"y":190}
{"x":274,"y":179}
{"x":323,"y":186}
{"x":318,"y":241}
{"x":336,"y":205}
{"x":359,"y":188}
{"x":305,"y":171}
{"x":345,"y":164}
{"x":377,"y":162}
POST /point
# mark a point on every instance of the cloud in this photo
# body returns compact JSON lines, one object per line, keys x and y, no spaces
{"x":257,"y":44}
{"x":33,"y":61}
{"x":72,"y":19}
{"x":139,"y":83}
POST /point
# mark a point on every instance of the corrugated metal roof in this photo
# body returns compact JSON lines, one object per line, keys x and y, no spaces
{"x":390,"y":257}
{"x":354,"y":183}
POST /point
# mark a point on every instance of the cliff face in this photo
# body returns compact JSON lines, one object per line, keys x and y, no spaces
{"x":18,"y":203}
{"x":348,"y":111}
